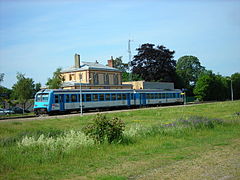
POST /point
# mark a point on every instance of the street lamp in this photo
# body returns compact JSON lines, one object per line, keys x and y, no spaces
{"x":80,"y":99}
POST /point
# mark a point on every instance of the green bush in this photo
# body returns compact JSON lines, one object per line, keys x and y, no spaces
{"x":103,"y":129}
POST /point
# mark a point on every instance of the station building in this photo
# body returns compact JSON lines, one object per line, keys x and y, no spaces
{"x":93,"y":75}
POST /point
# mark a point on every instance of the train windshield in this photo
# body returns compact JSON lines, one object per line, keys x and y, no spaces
{"x":42,"y":97}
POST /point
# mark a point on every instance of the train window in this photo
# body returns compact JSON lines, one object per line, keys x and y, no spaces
{"x":101,"y":97}
{"x":147,"y":96}
{"x":124,"y":96}
{"x":88,"y":97}
{"x":67,"y":98}
{"x":42,"y":97}
{"x":119,"y":96}
{"x":95,"y":97}
{"x":74,"y":98}
{"x":38,"y":98}
{"x":107,"y":97}
{"x":174,"y":95}
{"x":113,"y":97}
{"x":151,"y":96}
{"x":78,"y":98}
{"x":163,"y":95}
{"x":56,"y":99}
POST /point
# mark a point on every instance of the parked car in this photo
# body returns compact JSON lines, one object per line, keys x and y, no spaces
{"x":6,"y":111}
{"x":19,"y":110}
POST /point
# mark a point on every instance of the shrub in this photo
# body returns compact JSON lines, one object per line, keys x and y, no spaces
{"x":103,"y":129}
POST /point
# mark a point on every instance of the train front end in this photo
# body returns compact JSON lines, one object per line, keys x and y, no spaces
{"x":42,"y":102}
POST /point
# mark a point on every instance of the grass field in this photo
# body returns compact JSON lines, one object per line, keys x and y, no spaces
{"x":154,"y":147}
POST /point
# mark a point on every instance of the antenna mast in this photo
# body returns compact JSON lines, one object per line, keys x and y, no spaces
{"x":130,"y":58}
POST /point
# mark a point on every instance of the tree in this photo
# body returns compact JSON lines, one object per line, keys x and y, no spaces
{"x":189,"y":69}
{"x":211,"y":87}
{"x":37,"y":87}
{"x":4,"y":92}
{"x":1,"y":77}
{"x":56,"y":81}
{"x":154,"y":64}
{"x":23,"y":89}
{"x":134,"y":77}
{"x":236,"y":85}
{"x":120,"y":65}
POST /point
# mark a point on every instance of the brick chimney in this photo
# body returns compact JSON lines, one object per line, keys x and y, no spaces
{"x":111,"y":62}
{"x":77,"y":60}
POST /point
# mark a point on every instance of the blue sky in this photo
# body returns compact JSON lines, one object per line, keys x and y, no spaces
{"x":36,"y":37}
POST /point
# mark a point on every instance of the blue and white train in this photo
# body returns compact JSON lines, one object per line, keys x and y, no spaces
{"x":50,"y":101}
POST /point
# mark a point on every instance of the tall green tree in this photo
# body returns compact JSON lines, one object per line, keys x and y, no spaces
{"x":56,"y":81}
{"x":236,"y":85}
{"x":189,"y":69}
{"x":23,"y":89}
{"x":211,"y":87}
{"x":154,"y":63}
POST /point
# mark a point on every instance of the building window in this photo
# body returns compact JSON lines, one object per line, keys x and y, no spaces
{"x":115,"y":79}
{"x":106,"y":79}
{"x":95,"y":78}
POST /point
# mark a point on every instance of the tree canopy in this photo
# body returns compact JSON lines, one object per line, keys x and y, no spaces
{"x":56,"y":81}
{"x":189,"y":69}
{"x":211,"y":87}
{"x":118,"y":63}
{"x":23,"y":89}
{"x":154,"y":63}
{"x":236,"y":85}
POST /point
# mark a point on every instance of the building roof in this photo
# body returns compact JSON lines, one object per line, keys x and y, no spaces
{"x":90,"y":66}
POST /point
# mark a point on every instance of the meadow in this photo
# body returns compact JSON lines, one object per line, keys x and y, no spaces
{"x":182,"y":142}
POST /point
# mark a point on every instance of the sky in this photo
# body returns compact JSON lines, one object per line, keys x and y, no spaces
{"x":37,"y":37}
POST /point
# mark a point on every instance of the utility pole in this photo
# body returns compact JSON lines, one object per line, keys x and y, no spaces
{"x":80,"y":96}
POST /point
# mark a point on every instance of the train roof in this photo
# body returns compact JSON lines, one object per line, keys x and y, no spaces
{"x":108,"y":90}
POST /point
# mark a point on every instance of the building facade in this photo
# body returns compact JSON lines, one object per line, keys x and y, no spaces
{"x":92,"y":75}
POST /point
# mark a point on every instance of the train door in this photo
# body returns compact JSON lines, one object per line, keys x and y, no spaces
{"x":129,"y":99}
{"x":61,"y":102}
{"x":142,"y":99}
